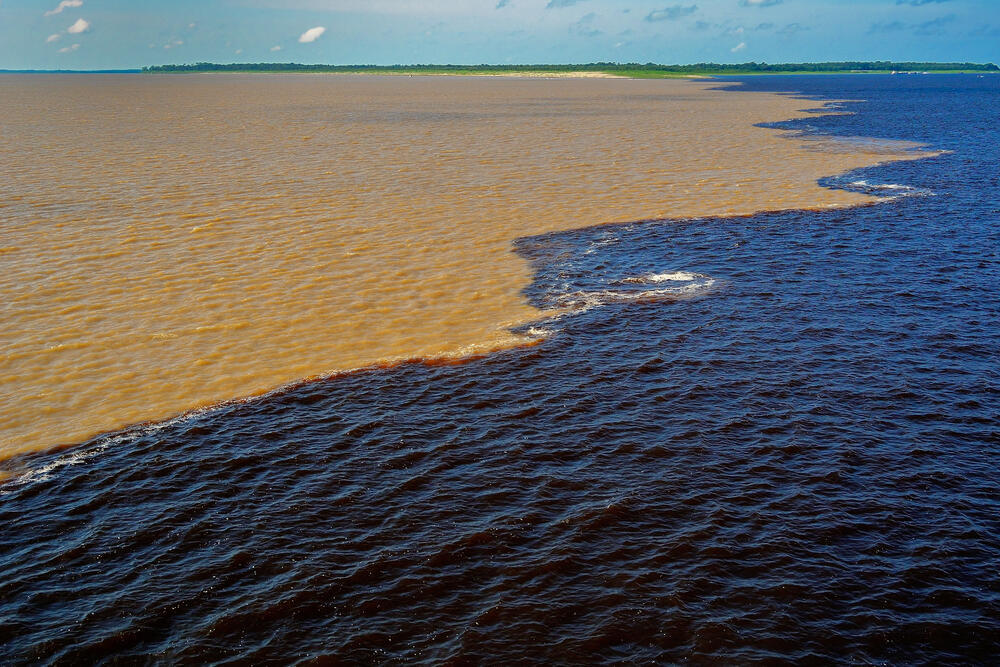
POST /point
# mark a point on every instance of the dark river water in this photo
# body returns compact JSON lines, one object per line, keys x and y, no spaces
{"x":772,"y":438}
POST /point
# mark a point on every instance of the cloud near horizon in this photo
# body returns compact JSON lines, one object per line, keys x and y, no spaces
{"x":759,"y":3}
{"x":585,"y":26}
{"x":934,"y":26}
{"x":931,"y":28}
{"x":792,"y":29}
{"x":79,"y":27}
{"x":671,"y":13}
{"x":65,"y":4}
{"x":892,"y":26}
{"x":312,"y":34}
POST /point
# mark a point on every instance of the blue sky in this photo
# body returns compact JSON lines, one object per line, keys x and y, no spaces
{"x":88,"y":34}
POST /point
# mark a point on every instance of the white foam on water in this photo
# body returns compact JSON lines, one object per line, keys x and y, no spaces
{"x":675,"y":276}
{"x":582,"y":300}
{"x":603,"y":242}
{"x":25,"y":476}
{"x":44,"y":473}
{"x":539,"y":332}
{"x":901,"y":190}
{"x":881,"y":186}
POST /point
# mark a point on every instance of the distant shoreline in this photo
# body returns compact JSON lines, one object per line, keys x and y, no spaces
{"x":627,"y":70}
{"x":70,"y":71}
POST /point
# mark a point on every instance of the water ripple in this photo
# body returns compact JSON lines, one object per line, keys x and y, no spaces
{"x":799,"y":467}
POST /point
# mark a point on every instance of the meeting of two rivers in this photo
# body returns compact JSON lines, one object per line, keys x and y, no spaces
{"x":174,"y":242}
{"x":427,"y":369}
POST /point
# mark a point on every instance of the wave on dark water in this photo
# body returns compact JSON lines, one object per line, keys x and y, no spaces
{"x":759,"y":439}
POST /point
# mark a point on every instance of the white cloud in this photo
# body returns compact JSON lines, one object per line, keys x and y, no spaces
{"x":78,"y":27}
{"x":312,"y":34}
{"x":239,"y":51}
{"x":64,"y":5}
{"x":275,"y":48}
{"x":738,"y":47}
{"x":69,"y":49}
{"x":671,"y":13}
{"x":51,"y":38}
{"x":423,"y":8}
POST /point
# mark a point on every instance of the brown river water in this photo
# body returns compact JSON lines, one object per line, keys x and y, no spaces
{"x":172,"y":242}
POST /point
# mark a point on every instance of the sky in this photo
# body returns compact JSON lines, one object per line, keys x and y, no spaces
{"x":108,"y":34}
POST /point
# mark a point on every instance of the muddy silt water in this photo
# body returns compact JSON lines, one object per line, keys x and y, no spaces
{"x":170,"y":242}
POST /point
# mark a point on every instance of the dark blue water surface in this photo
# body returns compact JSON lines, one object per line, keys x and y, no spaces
{"x":789,"y":454}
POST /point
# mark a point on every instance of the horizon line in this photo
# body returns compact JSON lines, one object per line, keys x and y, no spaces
{"x":750,"y":64}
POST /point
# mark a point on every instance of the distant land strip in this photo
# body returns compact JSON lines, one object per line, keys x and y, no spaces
{"x":635,"y":70}
{"x":70,"y":71}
